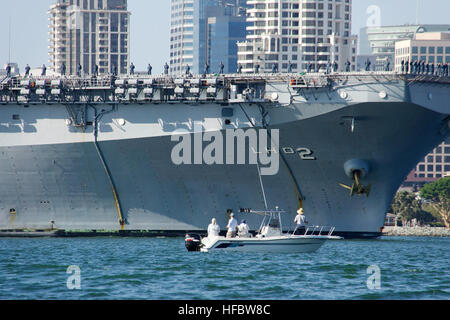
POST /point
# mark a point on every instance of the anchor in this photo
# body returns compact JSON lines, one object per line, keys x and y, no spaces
{"x":357,"y":187}
{"x":356,"y":169}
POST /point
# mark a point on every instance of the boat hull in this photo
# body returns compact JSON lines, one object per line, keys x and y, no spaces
{"x":294,"y":244}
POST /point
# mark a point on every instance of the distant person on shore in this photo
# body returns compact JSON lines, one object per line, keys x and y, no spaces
{"x":166,"y":69}
{"x":132,"y":67}
{"x":44,"y":70}
{"x":232,"y":226}
{"x":213,"y":229}
{"x":239,"y":70}
{"x":300,"y":222}
{"x":221,"y":67}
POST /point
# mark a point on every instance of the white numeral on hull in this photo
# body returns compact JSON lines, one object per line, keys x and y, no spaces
{"x":304,"y":153}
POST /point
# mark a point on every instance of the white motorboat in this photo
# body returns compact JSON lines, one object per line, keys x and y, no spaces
{"x":270,"y":238}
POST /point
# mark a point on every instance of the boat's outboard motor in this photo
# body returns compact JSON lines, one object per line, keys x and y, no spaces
{"x":192,"y":242}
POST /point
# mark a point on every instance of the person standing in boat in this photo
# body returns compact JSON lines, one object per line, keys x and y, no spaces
{"x":300,"y":221}
{"x":243,"y":230}
{"x":232,"y":225}
{"x":213,"y":229}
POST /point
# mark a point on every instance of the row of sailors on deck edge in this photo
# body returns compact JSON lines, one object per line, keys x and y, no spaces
{"x":243,"y":231}
{"x":420,"y":67}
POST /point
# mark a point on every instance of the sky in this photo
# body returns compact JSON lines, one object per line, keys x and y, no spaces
{"x":150,"y":22}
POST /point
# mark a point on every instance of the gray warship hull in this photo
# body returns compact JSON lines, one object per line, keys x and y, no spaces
{"x":118,"y":167}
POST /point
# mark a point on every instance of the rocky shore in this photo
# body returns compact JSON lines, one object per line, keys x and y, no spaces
{"x":416,"y":231}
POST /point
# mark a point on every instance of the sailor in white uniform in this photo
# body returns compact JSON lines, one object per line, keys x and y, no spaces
{"x":232,"y":225}
{"x":213,"y":229}
{"x":300,"y":221}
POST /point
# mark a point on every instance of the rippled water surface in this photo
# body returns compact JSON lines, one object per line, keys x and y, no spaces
{"x":144,"y":268}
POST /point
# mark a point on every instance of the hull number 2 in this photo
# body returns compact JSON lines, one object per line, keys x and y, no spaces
{"x":303,"y":153}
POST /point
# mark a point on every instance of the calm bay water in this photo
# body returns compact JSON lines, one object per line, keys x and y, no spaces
{"x":144,"y":268}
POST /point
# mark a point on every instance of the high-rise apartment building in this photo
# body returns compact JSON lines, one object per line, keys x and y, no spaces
{"x":205,"y":31}
{"x":298,"y":33}
{"x":89,"y":33}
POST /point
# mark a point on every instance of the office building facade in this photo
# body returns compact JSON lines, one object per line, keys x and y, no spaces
{"x":381,"y":40}
{"x":434,"y":166}
{"x":205,"y":31}
{"x":298,"y":33}
{"x":430,"y":47}
{"x":89,"y":33}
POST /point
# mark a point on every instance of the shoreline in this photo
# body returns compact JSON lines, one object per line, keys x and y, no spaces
{"x":416,"y":231}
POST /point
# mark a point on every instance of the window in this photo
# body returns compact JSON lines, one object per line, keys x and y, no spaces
{"x":415,"y":50}
{"x":431,"y":50}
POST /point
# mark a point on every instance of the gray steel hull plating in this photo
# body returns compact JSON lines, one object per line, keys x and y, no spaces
{"x":66,"y":183}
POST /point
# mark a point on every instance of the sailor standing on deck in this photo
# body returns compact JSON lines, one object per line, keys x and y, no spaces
{"x":8,"y":70}
{"x":166,"y":69}
{"x":213,"y":229}
{"x":300,"y":221}
{"x":149,"y":69}
{"x":27,"y":71}
{"x":232,"y":225}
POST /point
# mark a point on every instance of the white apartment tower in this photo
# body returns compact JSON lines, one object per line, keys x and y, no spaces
{"x":296,"y":33}
{"x":89,"y":33}
{"x":181,"y":35}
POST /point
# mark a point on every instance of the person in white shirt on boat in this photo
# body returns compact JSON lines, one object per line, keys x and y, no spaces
{"x":300,"y":222}
{"x":244,"y":230}
{"x":232,"y":225}
{"x":213,"y":229}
